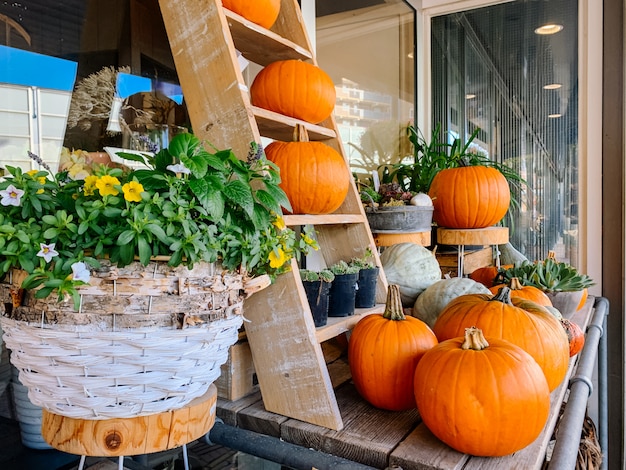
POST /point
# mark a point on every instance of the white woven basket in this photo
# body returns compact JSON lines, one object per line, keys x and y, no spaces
{"x":104,"y":362}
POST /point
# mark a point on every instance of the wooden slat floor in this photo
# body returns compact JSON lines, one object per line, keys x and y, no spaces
{"x":383,"y":439}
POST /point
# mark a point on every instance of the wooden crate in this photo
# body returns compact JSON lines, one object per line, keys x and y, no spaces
{"x":238,"y":377}
{"x":472,"y":260}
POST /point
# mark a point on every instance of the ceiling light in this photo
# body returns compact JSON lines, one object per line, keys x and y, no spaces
{"x":552,"y":86}
{"x":555,"y":115}
{"x":470,"y":96}
{"x":410,"y":55}
{"x":551,"y":28}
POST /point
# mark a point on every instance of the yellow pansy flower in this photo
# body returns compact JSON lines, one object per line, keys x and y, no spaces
{"x":90,"y":185}
{"x":41,"y":180}
{"x":132,"y":191}
{"x":277,"y":258}
{"x":106,"y":185}
{"x":279,"y":223}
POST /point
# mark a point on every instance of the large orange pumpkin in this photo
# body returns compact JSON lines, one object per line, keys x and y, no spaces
{"x":525,"y":292}
{"x":469,"y":197}
{"x":314,"y":176}
{"x":484,"y":397}
{"x":296,"y":89}
{"x":486,"y":275}
{"x":261,"y":12}
{"x":383,"y":351}
{"x":522,"y":322}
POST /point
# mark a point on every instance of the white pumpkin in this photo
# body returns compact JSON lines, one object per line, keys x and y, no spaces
{"x":434,"y":299}
{"x":412,"y":267}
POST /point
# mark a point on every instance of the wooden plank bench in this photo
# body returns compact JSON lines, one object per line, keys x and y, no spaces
{"x":381,"y":438}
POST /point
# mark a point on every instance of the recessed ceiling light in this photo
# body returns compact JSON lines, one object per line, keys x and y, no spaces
{"x":552,"y":86}
{"x":551,"y":28}
{"x":470,"y":96}
{"x":555,"y":115}
{"x":410,"y":55}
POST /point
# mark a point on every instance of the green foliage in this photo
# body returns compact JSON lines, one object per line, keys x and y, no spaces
{"x":548,"y":275}
{"x":343,"y":267}
{"x":364,"y":262}
{"x":325,"y":275}
{"x":188,"y":204}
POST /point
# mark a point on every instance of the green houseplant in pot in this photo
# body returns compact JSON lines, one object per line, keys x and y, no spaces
{"x":367,"y":279}
{"x":343,"y":289}
{"x":157,"y":257}
{"x":563,"y":284}
{"x":317,"y":286}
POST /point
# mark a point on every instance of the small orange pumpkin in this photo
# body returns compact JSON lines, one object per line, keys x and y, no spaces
{"x":383,"y":351}
{"x":294,"y":88}
{"x":487,"y":274}
{"x":484,"y":397}
{"x":522,"y":322}
{"x":261,"y":12}
{"x":469,"y":197}
{"x":575,"y":336}
{"x":583,"y":300}
{"x":531,"y":293}
{"x":314,"y":176}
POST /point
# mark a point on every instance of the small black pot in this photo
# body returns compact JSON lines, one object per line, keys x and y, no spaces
{"x":366,"y":292}
{"x":317,"y":293}
{"x":343,"y":295}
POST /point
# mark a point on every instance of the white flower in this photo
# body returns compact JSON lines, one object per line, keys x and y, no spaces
{"x":80,"y":272}
{"x":47,"y":252}
{"x":179,"y":168}
{"x":11,"y":196}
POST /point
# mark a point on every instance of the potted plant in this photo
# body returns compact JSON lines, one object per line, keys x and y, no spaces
{"x":162,"y":256}
{"x":317,"y":286}
{"x":405,"y":184}
{"x":343,"y":289}
{"x":563,"y":284}
{"x":367,"y":279}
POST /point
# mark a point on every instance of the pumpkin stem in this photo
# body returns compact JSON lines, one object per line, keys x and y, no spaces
{"x":300,"y":133}
{"x":474,"y":339}
{"x":515,"y":284}
{"x":551,"y":255}
{"x":393,"y":307}
{"x":503,"y":295}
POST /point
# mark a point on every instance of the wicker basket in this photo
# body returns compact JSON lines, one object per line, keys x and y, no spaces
{"x":146,"y":339}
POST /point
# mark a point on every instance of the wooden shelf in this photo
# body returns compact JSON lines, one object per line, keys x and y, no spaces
{"x":339,"y":325}
{"x":260,"y":45}
{"x":326,"y":219}
{"x":280,"y":127}
{"x":285,"y":345}
{"x":477,"y":236}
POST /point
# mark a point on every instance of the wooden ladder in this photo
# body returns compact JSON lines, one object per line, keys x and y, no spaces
{"x":204,"y":38}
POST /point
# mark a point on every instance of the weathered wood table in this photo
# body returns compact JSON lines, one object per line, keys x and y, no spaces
{"x":381,"y":438}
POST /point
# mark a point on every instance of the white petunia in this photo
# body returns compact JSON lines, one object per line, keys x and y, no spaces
{"x":179,"y":168}
{"x":47,"y":252}
{"x":11,"y":196}
{"x":80,"y":272}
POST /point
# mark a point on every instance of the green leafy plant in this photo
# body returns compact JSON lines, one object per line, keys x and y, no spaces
{"x":188,"y":204}
{"x":402,"y":180}
{"x":310,"y":275}
{"x":364,"y":262}
{"x":548,"y":275}
{"x":343,"y":267}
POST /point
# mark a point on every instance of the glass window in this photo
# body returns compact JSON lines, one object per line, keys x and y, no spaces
{"x":367,"y":47}
{"x":493,"y":70}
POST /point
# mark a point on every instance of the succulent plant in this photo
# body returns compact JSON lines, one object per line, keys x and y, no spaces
{"x":325,"y":275}
{"x":548,"y":275}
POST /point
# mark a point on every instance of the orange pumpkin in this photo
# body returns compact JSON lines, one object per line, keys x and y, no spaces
{"x":314,"y":176}
{"x":484,"y":397}
{"x":583,"y":300}
{"x":296,"y":89}
{"x":522,"y":322}
{"x":469,"y":197}
{"x":383,"y":352}
{"x":525,"y":292}
{"x":261,"y":12}
{"x":487,"y":274}
{"x":575,"y":336}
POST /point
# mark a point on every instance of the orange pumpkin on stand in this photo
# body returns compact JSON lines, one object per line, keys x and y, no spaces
{"x":261,"y":12}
